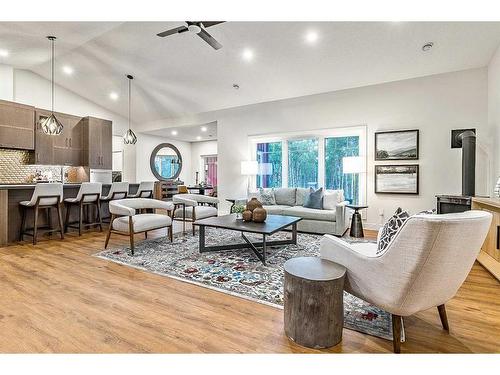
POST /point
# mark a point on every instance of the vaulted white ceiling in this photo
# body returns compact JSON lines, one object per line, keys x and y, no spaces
{"x":181,"y":75}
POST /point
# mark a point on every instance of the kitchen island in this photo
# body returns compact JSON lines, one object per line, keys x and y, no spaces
{"x":10,"y":212}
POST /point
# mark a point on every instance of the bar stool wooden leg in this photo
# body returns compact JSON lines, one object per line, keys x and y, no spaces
{"x":99,"y":218}
{"x":66,"y":223}
{"x":35,"y":226}
{"x":80,"y":217}
{"x":59,"y":218}
{"x":23,"y":223}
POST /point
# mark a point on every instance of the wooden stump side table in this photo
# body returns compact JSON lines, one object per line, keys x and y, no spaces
{"x":314,"y":301}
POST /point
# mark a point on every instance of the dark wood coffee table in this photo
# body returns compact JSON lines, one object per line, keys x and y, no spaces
{"x":273,"y":224}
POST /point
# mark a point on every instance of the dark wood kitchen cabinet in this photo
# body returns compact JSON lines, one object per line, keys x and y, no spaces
{"x":97,"y":143}
{"x":63,"y":149}
{"x":16,"y":125}
{"x":44,"y":144}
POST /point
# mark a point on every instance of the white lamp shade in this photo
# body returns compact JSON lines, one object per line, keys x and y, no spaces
{"x":249,"y":168}
{"x":353,"y":164}
{"x":265,"y":169}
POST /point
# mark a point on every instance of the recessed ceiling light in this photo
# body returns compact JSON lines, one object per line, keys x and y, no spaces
{"x":113,"y":95}
{"x":247,"y":54}
{"x":67,"y":70}
{"x":427,"y":46}
{"x":4,"y":53}
{"x":174,"y":132}
{"x":312,"y":37}
{"x":203,"y":128}
{"x":198,"y":138}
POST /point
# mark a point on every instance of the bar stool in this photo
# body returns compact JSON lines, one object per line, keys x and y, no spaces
{"x":89,"y":195}
{"x":118,"y":190}
{"x":45,"y":196}
{"x":145,"y":190}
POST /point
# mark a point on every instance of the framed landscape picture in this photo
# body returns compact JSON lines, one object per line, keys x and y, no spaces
{"x":396,"y":179}
{"x":396,"y":145}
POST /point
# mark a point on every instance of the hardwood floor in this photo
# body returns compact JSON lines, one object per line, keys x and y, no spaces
{"x":56,"y":297}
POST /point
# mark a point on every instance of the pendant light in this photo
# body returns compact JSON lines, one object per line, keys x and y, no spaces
{"x":51,"y":125}
{"x":129,"y":138}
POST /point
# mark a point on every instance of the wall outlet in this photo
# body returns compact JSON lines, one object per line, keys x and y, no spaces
{"x":380,"y":212}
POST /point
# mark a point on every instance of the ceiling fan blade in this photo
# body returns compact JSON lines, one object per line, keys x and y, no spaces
{"x":211,"y":23}
{"x":176,"y":30}
{"x":209,"y":39}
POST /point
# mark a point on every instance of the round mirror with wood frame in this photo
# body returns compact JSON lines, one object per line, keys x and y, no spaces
{"x":166,"y":162}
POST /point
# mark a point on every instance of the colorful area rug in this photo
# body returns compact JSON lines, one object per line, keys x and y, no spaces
{"x":240,"y":273}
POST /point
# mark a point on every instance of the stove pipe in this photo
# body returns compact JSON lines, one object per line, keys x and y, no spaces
{"x":468,"y":142}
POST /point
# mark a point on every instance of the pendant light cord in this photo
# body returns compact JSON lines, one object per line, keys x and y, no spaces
{"x":53,"y":75}
{"x":129,"y":100}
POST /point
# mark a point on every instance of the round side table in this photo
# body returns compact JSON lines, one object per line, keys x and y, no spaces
{"x":314,"y":301}
{"x":356,"y":223}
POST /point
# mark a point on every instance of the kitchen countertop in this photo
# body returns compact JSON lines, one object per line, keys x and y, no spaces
{"x":32,"y":186}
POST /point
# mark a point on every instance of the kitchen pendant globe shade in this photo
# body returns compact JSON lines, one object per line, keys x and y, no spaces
{"x":51,"y":125}
{"x":129,"y":138}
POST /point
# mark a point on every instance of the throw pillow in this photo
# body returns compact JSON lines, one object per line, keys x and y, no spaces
{"x":314,"y":199}
{"x":332,"y":198}
{"x":266,"y":197}
{"x":300,"y":196}
{"x":285,"y":196}
{"x":393,"y":225}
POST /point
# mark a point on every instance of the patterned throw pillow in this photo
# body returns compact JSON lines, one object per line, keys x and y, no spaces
{"x":391,"y":228}
{"x":266,"y":197}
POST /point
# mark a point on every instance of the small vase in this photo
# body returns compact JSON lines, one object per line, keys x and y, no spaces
{"x":253,"y":203}
{"x":247,"y":215}
{"x":259,"y":215}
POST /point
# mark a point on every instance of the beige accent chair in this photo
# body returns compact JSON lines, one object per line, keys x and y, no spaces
{"x":126,"y":221}
{"x":192,"y":207}
{"x":423,"y":267}
{"x":45,"y":196}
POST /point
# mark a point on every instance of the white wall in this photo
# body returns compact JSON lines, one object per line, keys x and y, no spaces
{"x":494,"y":109}
{"x":6,"y":82}
{"x":198,"y":150}
{"x":434,"y":104}
{"x":145,"y":145}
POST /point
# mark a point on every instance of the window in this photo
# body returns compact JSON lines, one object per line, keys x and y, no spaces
{"x":313,"y":159}
{"x":336,"y":148}
{"x":269,"y":159}
{"x":303,"y":163}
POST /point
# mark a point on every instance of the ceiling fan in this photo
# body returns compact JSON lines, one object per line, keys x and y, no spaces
{"x":198,"y":28}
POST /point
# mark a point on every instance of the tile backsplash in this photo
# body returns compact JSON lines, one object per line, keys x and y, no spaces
{"x":15,"y":169}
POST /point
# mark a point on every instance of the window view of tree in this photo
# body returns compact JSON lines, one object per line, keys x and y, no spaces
{"x":303,"y":163}
{"x":269,"y":157}
{"x":337,"y":148}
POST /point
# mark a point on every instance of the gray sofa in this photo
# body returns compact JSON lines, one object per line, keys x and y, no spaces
{"x":289,"y":201}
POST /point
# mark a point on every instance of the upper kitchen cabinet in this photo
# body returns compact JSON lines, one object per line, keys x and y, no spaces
{"x":16,"y":125}
{"x":63,"y":149}
{"x":97,"y":143}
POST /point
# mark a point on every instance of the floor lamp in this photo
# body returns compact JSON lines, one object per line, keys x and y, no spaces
{"x":249,"y":168}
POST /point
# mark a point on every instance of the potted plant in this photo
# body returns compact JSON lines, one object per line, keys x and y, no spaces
{"x":238,"y":210}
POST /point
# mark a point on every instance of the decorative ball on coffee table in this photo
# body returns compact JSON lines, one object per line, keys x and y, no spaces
{"x":247,"y":215}
{"x":259,"y":215}
{"x":253,"y":203}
